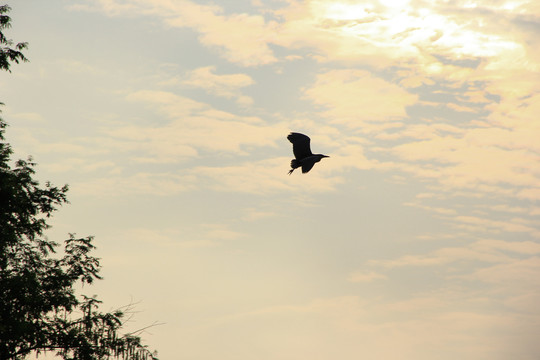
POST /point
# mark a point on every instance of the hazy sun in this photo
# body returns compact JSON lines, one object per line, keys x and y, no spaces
{"x":398,"y":24}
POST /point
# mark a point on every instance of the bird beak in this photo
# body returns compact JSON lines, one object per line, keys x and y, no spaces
{"x":326,"y":156}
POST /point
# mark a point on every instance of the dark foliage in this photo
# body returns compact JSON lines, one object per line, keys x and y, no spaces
{"x":7,"y":53}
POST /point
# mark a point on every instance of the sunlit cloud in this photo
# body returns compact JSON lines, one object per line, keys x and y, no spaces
{"x":356,"y":98}
{"x":484,"y":251}
{"x":516,"y":274}
{"x":514,"y":225}
{"x":240,"y":38}
{"x":194,"y":126}
{"x":468,"y":161}
{"x":454,"y":44}
{"x":361,"y":277}
{"x":227,"y":86}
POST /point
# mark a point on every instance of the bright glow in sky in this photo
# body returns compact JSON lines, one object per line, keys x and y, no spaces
{"x":419,"y":238}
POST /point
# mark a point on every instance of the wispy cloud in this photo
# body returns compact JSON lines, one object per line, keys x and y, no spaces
{"x":227,"y":86}
{"x":193,"y":127}
{"x":142,"y":183}
{"x":362,"y":276}
{"x":343,"y":326}
{"x":486,"y":250}
{"x":240,"y":38}
{"x":415,"y":45}
{"x":356,"y":98}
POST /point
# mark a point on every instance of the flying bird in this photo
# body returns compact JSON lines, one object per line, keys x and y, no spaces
{"x":302,"y":152}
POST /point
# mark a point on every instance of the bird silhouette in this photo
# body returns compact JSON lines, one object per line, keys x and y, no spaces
{"x":302,"y":152}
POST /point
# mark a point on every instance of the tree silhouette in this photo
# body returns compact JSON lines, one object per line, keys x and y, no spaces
{"x":8,"y":54}
{"x":39,"y":310}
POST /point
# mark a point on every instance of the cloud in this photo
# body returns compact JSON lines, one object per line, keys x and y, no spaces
{"x":365,"y":277}
{"x":78,"y":67}
{"x":479,"y":59}
{"x":84,"y":166}
{"x":379,"y":34}
{"x":482,"y":251}
{"x":227,"y":86}
{"x":419,"y":131}
{"x":253,"y":214}
{"x":356,"y":98}
{"x":515,"y":225}
{"x":264,"y":177}
{"x":444,"y":91}
{"x":221,"y":232}
{"x":467,"y":51}
{"x":517,"y":247}
{"x":240,"y":38}
{"x":517,"y":280}
{"x":481,"y":55}
{"x":32,"y":117}
{"x":142,"y":183}
{"x":162,"y":247}
{"x":194,"y":127}
{"x":385,"y":33}
{"x":467,"y":161}
{"x":434,"y":325}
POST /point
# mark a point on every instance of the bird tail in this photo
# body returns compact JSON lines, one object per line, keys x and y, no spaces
{"x":294,"y":165}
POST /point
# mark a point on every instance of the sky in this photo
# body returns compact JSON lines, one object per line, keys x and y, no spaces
{"x":419,"y":238}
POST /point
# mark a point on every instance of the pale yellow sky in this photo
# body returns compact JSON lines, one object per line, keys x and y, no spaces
{"x":417,"y":239}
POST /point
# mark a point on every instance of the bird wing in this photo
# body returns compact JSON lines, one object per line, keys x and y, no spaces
{"x":306,"y":167}
{"x":301,"y":147}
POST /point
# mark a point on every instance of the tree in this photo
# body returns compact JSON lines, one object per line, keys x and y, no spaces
{"x":39,"y":310}
{"x":7,"y":53}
